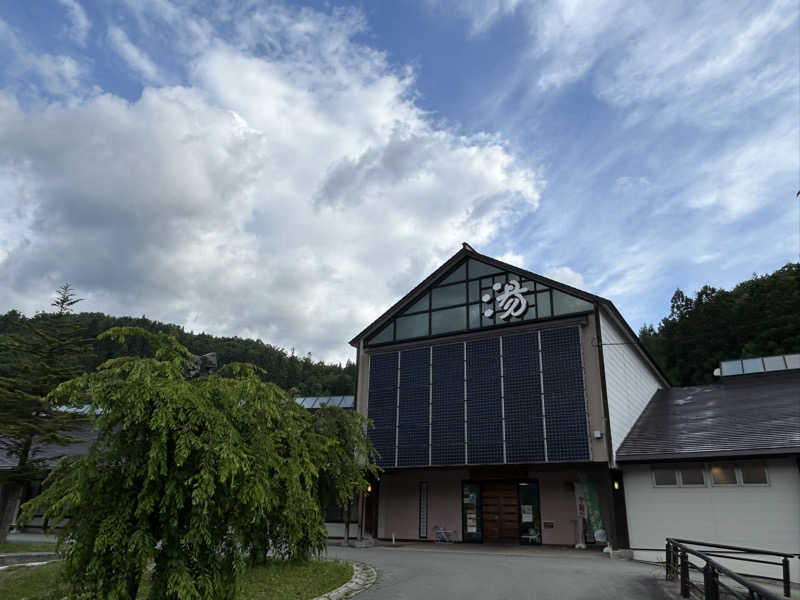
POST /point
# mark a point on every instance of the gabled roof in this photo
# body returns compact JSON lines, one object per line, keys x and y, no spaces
{"x":468,"y":251}
{"x":748,"y":415}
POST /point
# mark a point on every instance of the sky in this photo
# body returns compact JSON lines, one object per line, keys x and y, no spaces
{"x":287,"y":171}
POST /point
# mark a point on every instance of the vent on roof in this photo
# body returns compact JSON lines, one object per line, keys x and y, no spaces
{"x":746,"y":366}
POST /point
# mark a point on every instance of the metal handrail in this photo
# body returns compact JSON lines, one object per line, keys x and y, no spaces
{"x":729,"y":547}
{"x":677,"y":561}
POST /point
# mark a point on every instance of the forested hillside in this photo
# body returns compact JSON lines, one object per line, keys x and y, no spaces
{"x":759,"y":317}
{"x":306,"y":376}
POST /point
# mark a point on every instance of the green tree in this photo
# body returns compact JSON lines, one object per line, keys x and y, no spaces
{"x":349,"y":458}
{"x":33,"y":361}
{"x":196,"y":475}
{"x":758,"y":317}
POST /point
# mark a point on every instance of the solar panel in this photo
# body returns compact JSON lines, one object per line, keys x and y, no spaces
{"x":412,"y":441}
{"x":522,"y":398}
{"x":484,"y":413}
{"x":447,"y":408}
{"x":383,"y":405}
{"x":565,"y":407}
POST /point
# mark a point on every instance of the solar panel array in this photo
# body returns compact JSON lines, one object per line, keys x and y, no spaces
{"x":535,"y":379}
{"x":564,"y":404}
{"x":447,"y":405}
{"x":383,"y":406}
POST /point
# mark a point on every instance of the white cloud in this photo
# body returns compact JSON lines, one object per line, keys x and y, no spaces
{"x":291,"y":196}
{"x":134,"y":56}
{"x":79,"y":22}
{"x":567,"y":276}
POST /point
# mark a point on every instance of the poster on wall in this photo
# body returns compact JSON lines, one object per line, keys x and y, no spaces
{"x":527,"y":513}
{"x":472,"y":523}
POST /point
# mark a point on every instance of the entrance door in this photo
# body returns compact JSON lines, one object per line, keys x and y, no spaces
{"x":500,"y":513}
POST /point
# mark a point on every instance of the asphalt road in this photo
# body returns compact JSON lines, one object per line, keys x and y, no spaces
{"x":415,"y":574}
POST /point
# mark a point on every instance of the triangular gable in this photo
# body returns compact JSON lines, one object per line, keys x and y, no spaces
{"x":472,"y":292}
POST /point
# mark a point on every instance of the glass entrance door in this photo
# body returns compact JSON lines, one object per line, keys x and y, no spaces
{"x":471,"y":512}
{"x":530,"y":522}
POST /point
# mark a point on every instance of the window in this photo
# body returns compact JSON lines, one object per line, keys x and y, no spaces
{"x":723,"y":475}
{"x":412,"y":326}
{"x":665,"y":477}
{"x":692,"y":476}
{"x":679,"y":476}
{"x":753,"y":474}
{"x":423,"y":509}
{"x":449,"y":319}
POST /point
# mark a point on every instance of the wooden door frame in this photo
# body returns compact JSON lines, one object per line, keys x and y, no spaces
{"x":515,"y":482}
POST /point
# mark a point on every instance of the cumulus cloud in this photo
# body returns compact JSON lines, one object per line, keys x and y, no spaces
{"x":290,"y":189}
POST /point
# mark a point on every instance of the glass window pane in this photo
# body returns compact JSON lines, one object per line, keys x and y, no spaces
{"x":419,"y":305}
{"x":792,"y":361}
{"x":486,"y":321}
{"x":564,"y":304}
{"x":460,"y":274}
{"x":385,"y":335}
{"x":474,"y":291}
{"x":474,"y":315}
{"x":753,"y":474}
{"x":731,"y":367}
{"x":487,"y":282}
{"x":665,"y":477}
{"x":543,"y":302}
{"x":449,"y":295}
{"x":501,"y":279}
{"x":412,"y":326}
{"x":541,"y":288}
{"x":752,"y":365}
{"x":723,"y":475}
{"x":479,"y":269}
{"x":774,"y":363}
{"x":450,"y":319}
{"x":692,"y":476}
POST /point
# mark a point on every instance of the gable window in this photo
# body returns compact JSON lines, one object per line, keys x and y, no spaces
{"x":475,"y":295}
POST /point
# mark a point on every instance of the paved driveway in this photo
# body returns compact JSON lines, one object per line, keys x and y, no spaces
{"x":417,"y":574}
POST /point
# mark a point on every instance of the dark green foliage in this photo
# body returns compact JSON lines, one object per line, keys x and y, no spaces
{"x":198,"y":476}
{"x":759,"y":317}
{"x":288,"y":371}
{"x":34,"y":359}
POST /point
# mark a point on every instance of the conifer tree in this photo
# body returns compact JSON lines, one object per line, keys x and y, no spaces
{"x":33,"y":361}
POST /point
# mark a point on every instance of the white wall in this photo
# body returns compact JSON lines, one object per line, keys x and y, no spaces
{"x":336,"y":530}
{"x":630,"y":381}
{"x":764,"y":517}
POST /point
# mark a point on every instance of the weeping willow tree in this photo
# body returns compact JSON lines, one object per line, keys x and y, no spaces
{"x":194,"y":476}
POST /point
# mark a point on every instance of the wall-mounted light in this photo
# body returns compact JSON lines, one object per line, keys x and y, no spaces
{"x":616,"y":485}
{"x":369,"y":489}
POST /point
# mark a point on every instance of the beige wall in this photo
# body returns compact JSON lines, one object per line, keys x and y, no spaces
{"x":593,"y":388}
{"x":399,"y":501}
{"x":398,"y":513}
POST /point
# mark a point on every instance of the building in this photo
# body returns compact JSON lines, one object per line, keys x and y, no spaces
{"x":719,"y":463}
{"x":499,"y":398}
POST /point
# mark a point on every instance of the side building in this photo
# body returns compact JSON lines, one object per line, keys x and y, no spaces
{"x":720,"y":463}
{"x":499,"y":398}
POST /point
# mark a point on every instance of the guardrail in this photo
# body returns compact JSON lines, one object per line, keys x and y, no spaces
{"x":679,"y":565}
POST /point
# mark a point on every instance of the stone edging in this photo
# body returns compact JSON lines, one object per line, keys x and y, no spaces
{"x":21,"y":558}
{"x":363,"y":577}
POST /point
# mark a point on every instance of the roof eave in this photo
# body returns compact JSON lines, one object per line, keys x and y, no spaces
{"x":716,"y":454}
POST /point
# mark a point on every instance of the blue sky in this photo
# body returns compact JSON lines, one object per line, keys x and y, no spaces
{"x":287,"y":171}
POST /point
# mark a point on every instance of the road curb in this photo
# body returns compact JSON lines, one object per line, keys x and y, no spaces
{"x":364,"y":576}
{"x":21,"y":558}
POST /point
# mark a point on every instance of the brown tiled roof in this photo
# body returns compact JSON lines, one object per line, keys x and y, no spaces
{"x":755,"y":414}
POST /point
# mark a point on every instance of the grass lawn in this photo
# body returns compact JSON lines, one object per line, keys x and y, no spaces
{"x":300,"y":581}
{"x":8,"y":546}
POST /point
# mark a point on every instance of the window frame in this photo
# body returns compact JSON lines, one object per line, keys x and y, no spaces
{"x":740,"y":475}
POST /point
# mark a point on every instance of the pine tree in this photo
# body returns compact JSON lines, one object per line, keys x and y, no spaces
{"x":33,"y":362}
